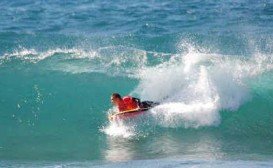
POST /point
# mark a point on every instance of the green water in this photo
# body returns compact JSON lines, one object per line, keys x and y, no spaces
{"x":208,"y":63}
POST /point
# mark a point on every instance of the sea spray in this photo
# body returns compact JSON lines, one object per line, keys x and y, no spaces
{"x":130,"y":128}
{"x":194,"y":87}
{"x":119,"y":129}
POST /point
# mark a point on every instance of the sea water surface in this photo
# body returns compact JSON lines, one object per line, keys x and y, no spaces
{"x":209,"y":63}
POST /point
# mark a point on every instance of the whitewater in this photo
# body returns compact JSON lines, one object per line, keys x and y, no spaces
{"x":209,"y":65}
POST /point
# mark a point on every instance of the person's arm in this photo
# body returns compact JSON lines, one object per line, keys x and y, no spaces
{"x":138,"y":102}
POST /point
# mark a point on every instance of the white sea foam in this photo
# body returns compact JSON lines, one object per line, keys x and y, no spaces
{"x":194,"y":87}
{"x":113,"y":60}
{"x":35,"y":56}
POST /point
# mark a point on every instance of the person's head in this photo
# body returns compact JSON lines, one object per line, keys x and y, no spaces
{"x":116,"y":98}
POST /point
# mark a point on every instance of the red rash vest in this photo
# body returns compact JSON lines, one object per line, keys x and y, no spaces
{"x":127,"y":103}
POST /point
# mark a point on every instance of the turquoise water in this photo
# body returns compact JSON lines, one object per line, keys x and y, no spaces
{"x":209,"y":64}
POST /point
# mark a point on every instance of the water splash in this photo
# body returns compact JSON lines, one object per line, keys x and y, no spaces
{"x":119,"y":129}
{"x":194,"y":87}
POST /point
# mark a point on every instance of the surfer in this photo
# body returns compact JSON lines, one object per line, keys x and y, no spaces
{"x":130,"y":103}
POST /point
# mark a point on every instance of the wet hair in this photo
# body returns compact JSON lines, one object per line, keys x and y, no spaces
{"x":116,"y":95}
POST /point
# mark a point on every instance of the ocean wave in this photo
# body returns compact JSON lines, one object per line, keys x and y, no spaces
{"x":193,"y":86}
